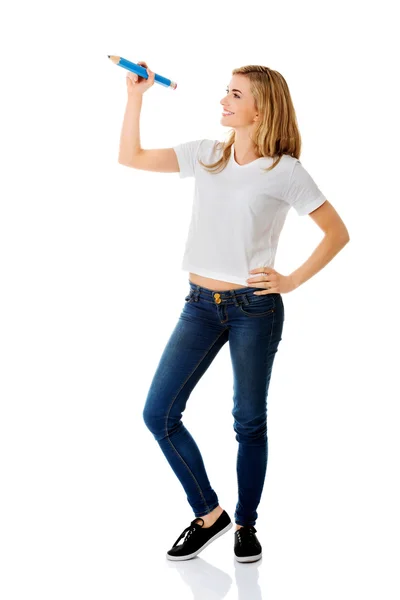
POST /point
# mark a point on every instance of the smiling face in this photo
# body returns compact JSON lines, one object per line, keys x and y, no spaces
{"x":240,"y":101}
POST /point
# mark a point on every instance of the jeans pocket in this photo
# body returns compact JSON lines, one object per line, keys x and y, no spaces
{"x":259,"y":306}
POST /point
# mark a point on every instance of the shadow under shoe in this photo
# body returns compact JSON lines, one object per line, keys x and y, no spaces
{"x":247,"y":548}
{"x":198,"y":537}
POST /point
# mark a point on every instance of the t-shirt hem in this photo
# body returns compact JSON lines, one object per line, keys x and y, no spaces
{"x":215,"y":274}
{"x":183,"y":171}
{"x":312,"y":205}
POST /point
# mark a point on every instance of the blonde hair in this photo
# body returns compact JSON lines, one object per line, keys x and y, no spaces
{"x":277,"y":132}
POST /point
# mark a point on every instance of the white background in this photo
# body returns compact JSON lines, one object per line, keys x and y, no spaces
{"x":91,"y":289}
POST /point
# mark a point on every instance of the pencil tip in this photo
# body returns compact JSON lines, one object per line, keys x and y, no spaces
{"x":108,"y":55}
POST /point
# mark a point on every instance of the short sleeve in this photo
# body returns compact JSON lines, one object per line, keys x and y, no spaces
{"x":302,"y":192}
{"x":187,"y":157}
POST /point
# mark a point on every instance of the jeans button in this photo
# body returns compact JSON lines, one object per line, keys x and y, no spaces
{"x":217,"y":298}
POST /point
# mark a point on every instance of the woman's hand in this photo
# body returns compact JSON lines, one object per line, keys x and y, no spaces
{"x":271,"y":279}
{"x":137,"y":84}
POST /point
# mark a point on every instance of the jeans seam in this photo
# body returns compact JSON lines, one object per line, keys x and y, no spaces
{"x":169,"y":410}
{"x":264,"y":314}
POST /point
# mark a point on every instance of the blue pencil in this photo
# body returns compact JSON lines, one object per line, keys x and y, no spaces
{"x":139,"y":70}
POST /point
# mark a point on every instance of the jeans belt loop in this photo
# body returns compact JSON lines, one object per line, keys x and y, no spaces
{"x":235,"y":299}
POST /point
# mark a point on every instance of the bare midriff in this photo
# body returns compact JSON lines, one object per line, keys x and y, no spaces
{"x":214,"y":284}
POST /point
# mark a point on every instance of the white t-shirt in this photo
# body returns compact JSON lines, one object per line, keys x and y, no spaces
{"x":238,"y":214}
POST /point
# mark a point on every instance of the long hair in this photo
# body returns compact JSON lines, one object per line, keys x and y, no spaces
{"x":277,"y":132}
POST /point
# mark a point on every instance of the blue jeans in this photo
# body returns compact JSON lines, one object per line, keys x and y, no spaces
{"x":253,"y":326}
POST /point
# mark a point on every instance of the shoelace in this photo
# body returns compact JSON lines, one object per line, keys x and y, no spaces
{"x":247,"y":532}
{"x":189,"y":530}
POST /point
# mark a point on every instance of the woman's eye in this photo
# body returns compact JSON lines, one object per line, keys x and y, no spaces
{"x":236,"y":95}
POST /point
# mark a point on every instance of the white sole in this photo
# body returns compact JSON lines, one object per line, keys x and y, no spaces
{"x":188,"y":556}
{"x":248,"y":558}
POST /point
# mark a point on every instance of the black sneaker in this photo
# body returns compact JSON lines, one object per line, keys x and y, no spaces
{"x":247,"y":547}
{"x":197,"y":537}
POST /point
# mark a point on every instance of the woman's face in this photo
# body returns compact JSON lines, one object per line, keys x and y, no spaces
{"x":239,"y":101}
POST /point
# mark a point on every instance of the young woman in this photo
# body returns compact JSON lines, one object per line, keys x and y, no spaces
{"x":244,"y":190}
